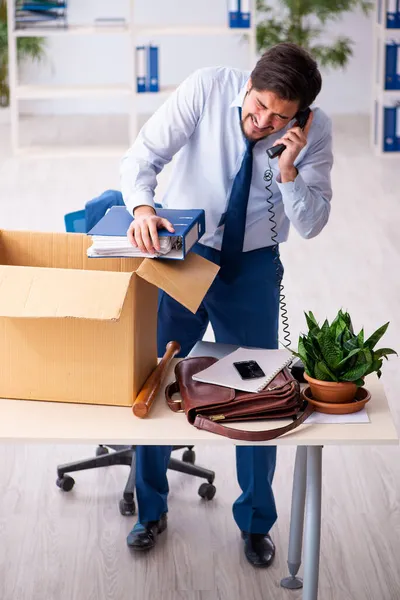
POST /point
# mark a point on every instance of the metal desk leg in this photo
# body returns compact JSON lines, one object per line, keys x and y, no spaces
{"x":297,"y":520}
{"x":312,"y":536}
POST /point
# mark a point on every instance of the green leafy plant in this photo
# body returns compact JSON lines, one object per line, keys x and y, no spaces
{"x":33,"y":47}
{"x":302,"y":22}
{"x":334,"y":352}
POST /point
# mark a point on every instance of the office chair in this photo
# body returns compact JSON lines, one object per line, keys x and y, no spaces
{"x":76,"y":222}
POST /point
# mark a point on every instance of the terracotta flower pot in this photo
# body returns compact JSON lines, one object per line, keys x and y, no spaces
{"x":331,"y":391}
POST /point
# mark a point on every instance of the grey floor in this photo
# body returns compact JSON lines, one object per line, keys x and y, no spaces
{"x":72,"y":546}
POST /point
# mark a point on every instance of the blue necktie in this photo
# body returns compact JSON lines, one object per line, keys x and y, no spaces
{"x":235,"y":217}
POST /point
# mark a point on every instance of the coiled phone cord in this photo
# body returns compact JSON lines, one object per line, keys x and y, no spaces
{"x":268,"y":177}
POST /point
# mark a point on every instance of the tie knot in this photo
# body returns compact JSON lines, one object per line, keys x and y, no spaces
{"x":250,"y":145}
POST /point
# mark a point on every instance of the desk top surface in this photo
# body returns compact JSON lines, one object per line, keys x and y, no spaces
{"x":54,"y":422}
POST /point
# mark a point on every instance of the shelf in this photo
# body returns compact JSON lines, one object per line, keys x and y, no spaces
{"x":164,"y":91}
{"x":72,"y":151}
{"x":382,"y":27}
{"x":140,"y":30}
{"x":384,"y":93}
{"x":41,"y":92}
{"x":72,"y":30}
{"x":190,"y":30}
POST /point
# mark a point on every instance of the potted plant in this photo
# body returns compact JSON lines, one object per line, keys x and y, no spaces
{"x":336,"y":360}
{"x":33,"y":47}
{"x":302,"y":23}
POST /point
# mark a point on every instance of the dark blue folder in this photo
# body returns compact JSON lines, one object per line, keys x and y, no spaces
{"x":189,"y":225}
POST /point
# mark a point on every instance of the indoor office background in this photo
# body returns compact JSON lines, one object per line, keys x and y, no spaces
{"x":70,"y":546}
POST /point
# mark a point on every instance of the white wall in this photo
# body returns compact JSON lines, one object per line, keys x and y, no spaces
{"x":107,"y":59}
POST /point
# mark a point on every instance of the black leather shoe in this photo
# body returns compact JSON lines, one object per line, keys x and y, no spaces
{"x":145,"y":537}
{"x":259,"y":549}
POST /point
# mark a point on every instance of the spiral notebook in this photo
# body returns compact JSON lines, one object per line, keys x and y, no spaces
{"x":224,"y":373}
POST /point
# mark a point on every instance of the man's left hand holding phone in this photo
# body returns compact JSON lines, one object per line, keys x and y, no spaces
{"x":143,"y":231}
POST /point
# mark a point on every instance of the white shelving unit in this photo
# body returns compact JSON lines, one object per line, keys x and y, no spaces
{"x":380,"y":96}
{"x":20,"y":92}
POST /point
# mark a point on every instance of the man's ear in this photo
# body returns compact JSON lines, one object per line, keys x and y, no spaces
{"x":249,"y":85}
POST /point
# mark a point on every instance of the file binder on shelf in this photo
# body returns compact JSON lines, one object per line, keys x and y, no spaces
{"x":233,"y":13}
{"x":110,"y":239}
{"x":244,"y":11}
{"x":152,"y":69}
{"x":392,"y":14}
{"x":391,"y":65}
{"x":397,"y":71}
{"x":239,"y":14}
{"x":40,"y":12}
{"x":390,"y":129}
{"x":147,"y":69}
{"x":141,"y":69}
{"x":397,"y":130}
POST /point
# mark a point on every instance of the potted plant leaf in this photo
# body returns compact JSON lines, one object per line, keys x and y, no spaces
{"x":32,"y":47}
{"x":336,"y":360}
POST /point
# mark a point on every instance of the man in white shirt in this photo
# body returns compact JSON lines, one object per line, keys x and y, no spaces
{"x":217,"y":126}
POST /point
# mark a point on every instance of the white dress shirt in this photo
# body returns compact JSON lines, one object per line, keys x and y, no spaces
{"x":199,"y":128}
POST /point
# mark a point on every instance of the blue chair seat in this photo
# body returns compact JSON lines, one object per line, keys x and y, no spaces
{"x":75,"y":222}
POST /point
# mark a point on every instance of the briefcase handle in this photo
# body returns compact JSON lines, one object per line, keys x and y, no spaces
{"x":202,"y":422}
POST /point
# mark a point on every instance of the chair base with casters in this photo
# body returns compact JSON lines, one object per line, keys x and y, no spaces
{"x":125,"y":455}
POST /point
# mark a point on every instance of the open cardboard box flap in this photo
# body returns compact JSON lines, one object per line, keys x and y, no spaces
{"x":60,"y":281}
{"x":38,"y":292}
{"x":187,"y":281}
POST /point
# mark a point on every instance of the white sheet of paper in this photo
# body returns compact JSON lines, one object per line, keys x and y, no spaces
{"x":321,"y":418}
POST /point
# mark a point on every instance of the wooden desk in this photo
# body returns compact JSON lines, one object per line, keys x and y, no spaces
{"x":52,"y":422}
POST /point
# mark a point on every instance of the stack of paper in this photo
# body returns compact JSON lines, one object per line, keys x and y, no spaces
{"x":109,"y":246}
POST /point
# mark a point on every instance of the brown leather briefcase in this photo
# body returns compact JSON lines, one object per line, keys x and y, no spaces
{"x":207,"y":405}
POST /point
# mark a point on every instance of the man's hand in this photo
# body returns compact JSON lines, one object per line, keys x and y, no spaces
{"x":294,"y":139}
{"x":142,"y":232}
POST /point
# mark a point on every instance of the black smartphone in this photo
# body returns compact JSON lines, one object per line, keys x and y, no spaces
{"x":301,"y":118}
{"x":249,"y":369}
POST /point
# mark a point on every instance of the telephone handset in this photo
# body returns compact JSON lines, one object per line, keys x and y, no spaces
{"x":301,"y":118}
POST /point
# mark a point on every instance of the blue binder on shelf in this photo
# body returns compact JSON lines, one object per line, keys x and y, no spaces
{"x":392,"y":14}
{"x":189,"y":227}
{"x":234,"y":13}
{"x":389,"y":129}
{"x":391,"y":66}
{"x":239,"y":14}
{"x":397,"y":74}
{"x":244,"y":11}
{"x":141,"y":69}
{"x":152,"y":69}
{"x":40,"y":11}
{"x":397,"y":124}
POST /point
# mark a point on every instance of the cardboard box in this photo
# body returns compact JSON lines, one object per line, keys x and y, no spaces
{"x":74,"y":329}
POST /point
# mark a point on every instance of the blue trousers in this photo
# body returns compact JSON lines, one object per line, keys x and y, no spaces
{"x":245,"y":312}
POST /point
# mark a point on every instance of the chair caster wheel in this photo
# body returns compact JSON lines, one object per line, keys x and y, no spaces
{"x":207,"y":491}
{"x":101,"y":450}
{"x":65,"y":483}
{"x":127,"y":509}
{"x":189,"y":456}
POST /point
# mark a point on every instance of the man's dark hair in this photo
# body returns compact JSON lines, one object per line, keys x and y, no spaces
{"x":290,"y":72}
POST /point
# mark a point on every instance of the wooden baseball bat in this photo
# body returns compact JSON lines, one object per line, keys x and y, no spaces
{"x":144,"y":401}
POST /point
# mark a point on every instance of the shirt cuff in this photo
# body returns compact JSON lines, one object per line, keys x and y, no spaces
{"x":139,"y":199}
{"x":293,"y":190}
